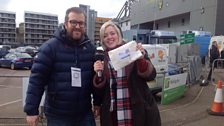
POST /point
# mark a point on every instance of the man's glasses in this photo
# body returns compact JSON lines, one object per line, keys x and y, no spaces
{"x":75,"y":23}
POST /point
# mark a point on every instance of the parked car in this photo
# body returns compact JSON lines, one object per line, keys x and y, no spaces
{"x":27,"y":49}
{"x":4,"y":49}
{"x":3,"y":52}
{"x":15,"y":60}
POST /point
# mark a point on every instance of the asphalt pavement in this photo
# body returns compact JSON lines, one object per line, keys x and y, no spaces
{"x":193,"y":106}
{"x":189,"y":110}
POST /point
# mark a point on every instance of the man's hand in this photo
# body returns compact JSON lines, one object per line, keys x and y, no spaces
{"x":32,"y":120}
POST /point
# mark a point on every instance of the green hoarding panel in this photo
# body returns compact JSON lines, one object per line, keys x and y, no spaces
{"x":173,"y":88}
{"x":172,"y":95}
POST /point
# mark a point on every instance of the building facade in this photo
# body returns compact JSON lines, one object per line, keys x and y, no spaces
{"x":20,"y":34}
{"x":178,"y":15}
{"x":39,"y":27}
{"x":99,"y":22}
{"x":90,"y":20}
{"x":7,"y":27}
{"x":123,"y":17}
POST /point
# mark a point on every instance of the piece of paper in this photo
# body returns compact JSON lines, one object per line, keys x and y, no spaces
{"x":76,"y":77}
{"x":124,"y":55}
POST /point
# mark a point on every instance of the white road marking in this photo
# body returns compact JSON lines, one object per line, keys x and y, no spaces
{"x":12,"y":102}
{"x":10,"y":86}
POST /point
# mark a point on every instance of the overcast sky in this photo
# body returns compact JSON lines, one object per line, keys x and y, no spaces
{"x":104,"y":8}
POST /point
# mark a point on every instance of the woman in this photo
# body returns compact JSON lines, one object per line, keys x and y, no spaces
{"x":125,"y":97}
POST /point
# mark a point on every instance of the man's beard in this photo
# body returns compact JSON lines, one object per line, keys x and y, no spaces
{"x":70,"y":35}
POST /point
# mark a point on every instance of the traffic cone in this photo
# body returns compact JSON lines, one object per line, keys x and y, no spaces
{"x":217,"y":107}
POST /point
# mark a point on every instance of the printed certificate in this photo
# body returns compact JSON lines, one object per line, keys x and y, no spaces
{"x":124,"y":55}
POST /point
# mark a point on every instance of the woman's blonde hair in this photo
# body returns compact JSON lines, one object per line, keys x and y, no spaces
{"x":102,"y":31}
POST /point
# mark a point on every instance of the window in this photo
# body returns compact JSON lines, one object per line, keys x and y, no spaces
{"x":201,"y":28}
{"x":182,"y":21}
{"x":202,"y":10}
{"x":134,"y":37}
{"x":140,"y":38}
{"x":168,"y":24}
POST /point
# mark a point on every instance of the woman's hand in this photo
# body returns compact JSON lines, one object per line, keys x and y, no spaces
{"x":96,"y":111}
{"x":98,"y":66}
{"x":140,"y":47}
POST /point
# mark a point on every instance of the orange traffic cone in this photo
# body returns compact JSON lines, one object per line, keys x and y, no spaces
{"x":217,"y":106}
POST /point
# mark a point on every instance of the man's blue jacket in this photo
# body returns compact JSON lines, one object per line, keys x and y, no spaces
{"x":51,"y":73}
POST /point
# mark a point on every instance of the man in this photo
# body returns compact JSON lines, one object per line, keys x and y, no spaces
{"x":222,"y":57}
{"x":63,"y":68}
{"x":214,"y":54}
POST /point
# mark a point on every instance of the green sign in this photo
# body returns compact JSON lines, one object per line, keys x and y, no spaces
{"x":173,"y":88}
{"x":187,"y":38}
{"x":187,"y":41}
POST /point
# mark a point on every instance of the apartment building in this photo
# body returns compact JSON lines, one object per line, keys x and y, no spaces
{"x":90,"y":20}
{"x":39,"y":27}
{"x":7,"y":27}
{"x":99,"y":22}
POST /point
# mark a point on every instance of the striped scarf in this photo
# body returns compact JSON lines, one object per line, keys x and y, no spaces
{"x":120,"y":98}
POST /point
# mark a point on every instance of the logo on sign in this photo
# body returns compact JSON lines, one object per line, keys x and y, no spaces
{"x":161,"y":54}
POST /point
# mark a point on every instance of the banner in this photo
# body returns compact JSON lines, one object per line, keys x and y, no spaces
{"x":173,"y":88}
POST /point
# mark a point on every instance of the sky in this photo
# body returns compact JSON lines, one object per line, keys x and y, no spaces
{"x":104,"y":8}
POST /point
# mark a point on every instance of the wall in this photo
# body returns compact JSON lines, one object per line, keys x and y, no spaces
{"x":146,"y":11}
